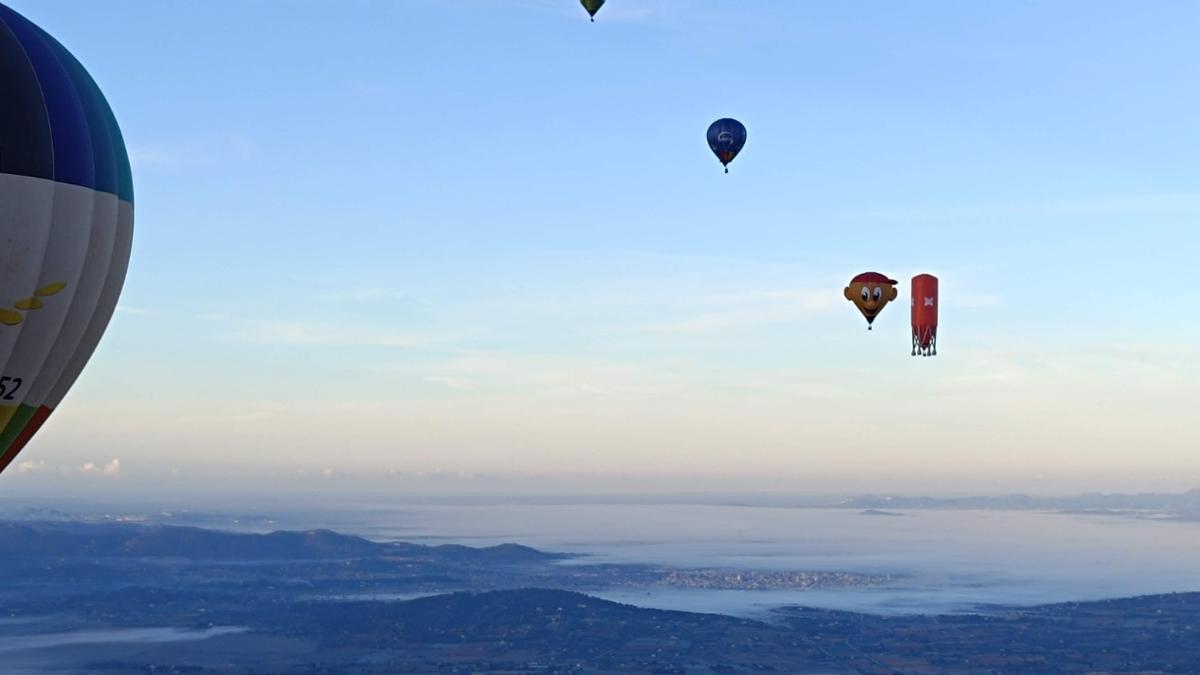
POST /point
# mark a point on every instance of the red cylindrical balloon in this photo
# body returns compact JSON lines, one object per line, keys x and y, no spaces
{"x":924,"y":300}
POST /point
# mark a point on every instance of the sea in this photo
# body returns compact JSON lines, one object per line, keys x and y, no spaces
{"x":944,"y":560}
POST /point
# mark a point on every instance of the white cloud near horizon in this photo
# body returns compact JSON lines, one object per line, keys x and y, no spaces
{"x":30,"y":466}
{"x":112,"y":468}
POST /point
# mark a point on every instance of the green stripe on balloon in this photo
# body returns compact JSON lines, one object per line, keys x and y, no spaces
{"x":13,"y":429}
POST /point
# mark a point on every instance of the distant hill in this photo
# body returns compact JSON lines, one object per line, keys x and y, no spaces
{"x":1180,"y":505}
{"x":539,"y":630}
{"x":452,"y":616}
{"x":64,"y":538}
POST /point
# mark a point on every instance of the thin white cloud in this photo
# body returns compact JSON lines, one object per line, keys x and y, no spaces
{"x":973,"y":301}
{"x":182,"y":156}
{"x":113,"y":468}
{"x":449,"y":382}
{"x":752,"y":308}
{"x":30,"y":466}
{"x":552,"y":377}
{"x":1140,"y":206}
{"x":367,"y":294}
{"x":144,"y":157}
{"x":293,"y":333}
{"x":252,"y":412}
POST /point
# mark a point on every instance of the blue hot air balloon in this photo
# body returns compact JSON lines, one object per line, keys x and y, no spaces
{"x":66,"y":220}
{"x":726,"y":137}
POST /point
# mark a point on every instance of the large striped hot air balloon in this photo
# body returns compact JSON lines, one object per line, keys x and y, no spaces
{"x":66,"y":225}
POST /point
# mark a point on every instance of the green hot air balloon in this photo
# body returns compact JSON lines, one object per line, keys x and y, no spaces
{"x":592,"y":6}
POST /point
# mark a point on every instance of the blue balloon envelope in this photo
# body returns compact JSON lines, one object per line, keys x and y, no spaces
{"x":726,"y":137}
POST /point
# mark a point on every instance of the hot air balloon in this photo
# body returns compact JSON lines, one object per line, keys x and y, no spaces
{"x":870,"y":292}
{"x":924,"y":315}
{"x":726,"y":137}
{"x":592,"y":6}
{"x":66,"y":220}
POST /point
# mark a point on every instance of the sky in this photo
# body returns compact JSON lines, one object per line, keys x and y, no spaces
{"x":482,"y":244}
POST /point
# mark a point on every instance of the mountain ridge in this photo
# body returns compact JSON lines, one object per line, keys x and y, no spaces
{"x":136,"y":540}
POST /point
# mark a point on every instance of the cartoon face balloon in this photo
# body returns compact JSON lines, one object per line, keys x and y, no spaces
{"x":871,"y":292}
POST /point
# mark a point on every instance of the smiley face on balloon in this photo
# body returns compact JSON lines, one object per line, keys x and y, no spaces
{"x":871,"y":292}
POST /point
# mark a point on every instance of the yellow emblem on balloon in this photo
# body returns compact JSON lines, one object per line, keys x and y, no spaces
{"x":50,"y":289}
{"x":11,"y":317}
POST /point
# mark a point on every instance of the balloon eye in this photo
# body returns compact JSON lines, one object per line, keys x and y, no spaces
{"x":866,"y":293}
{"x":878,"y":292}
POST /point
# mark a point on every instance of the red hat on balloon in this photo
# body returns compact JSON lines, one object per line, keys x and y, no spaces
{"x":872,"y":278}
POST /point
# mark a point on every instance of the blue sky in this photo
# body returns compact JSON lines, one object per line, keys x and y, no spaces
{"x":486,"y":238}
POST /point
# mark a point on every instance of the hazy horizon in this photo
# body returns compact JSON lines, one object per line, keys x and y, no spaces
{"x":132,"y":497}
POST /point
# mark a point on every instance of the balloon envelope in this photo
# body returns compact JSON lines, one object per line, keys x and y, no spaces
{"x":726,"y":138}
{"x":592,"y":6}
{"x":924,"y":302}
{"x":870,"y":292}
{"x":66,"y":217}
